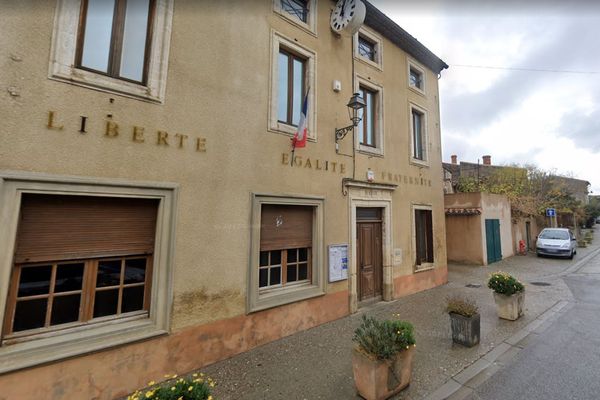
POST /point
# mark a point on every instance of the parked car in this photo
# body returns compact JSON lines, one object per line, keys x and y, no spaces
{"x":556,"y":242}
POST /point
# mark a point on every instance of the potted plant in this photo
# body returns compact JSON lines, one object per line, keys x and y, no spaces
{"x":382,"y":358}
{"x":464,"y":320}
{"x":509,"y":295}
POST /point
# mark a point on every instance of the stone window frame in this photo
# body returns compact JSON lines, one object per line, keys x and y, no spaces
{"x":425,"y":130}
{"x":256,"y":301}
{"x":378,"y":45}
{"x":310,"y":26}
{"x":277,"y":41}
{"x":89,"y":338}
{"x":64,"y":44}
{"x":424,"y":266}
{"x":378,"y":150}
{"x":412,"y":64}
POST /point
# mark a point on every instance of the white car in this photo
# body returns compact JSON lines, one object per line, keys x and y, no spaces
{"x":556,"y":242}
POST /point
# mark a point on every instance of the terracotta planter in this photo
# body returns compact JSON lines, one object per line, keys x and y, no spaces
{"x":510,"y":307}
{"x":381,"y":379}
{"x":465,"y":330}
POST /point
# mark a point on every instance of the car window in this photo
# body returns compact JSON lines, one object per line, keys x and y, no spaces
{"x":556,"y":235}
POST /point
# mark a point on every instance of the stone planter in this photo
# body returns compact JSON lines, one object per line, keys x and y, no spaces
{"x":510,"y":307}
{"x":381,"y":379}
{"x":465,"y":330}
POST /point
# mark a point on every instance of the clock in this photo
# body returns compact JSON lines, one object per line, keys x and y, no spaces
{"x":348,"y":15}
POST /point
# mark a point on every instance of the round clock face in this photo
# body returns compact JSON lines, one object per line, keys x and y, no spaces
{"x":344,"y":12}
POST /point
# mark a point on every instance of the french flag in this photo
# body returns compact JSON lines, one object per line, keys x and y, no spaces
{"x":299,"y":139}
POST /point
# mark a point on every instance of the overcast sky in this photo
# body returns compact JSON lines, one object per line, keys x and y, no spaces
{"x":550,"y":119}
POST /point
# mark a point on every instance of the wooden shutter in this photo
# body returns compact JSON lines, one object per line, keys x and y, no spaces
{"x":285,"y":227}
{"x":429,"y":233}
{"x":56,"y":227}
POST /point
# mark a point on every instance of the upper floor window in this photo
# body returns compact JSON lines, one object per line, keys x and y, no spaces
{"x":114,"y":37}
{"x":366,"y":127}
{"x":418,"y":135}
{"x":120,"y":46}
{"x":366,"y":48}
{"x":296,"y":8}
{"x":416,"y":77}
{"x":291,"y":74}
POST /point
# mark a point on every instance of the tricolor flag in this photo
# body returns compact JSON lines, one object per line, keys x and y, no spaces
{"x":299,"y":139}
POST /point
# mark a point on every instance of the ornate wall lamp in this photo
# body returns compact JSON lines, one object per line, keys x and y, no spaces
{"x":356,"y":103}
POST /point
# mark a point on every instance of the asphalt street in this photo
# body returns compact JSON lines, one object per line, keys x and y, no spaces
{"x":562,"y":362}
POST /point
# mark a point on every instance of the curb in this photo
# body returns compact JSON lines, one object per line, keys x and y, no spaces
{"x":463,"y":384}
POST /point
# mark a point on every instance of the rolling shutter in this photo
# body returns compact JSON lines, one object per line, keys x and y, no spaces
{"x":285,"y":227}
{"x":57,"y":227}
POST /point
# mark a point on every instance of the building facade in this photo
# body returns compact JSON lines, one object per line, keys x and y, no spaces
{"x":153,"y":219}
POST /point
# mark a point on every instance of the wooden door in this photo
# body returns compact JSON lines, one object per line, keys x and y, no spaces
{"x":492,"y":239}
{"x":369,"y":255}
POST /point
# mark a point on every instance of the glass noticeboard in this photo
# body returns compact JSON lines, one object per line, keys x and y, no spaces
{"x":338,"y":262}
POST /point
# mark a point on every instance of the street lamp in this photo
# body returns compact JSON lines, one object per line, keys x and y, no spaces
{"x":356,"y":103}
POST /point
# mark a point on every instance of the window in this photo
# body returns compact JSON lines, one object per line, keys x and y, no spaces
{"x":423,"y":237}
{"x":366,"y":127}
{"x":116,"y":45}
{"x":85,"y":265}
{"x":293,"y":75}
{"x":291,"y":87}
{"x":298,"y":12}
{"x":114,"y":37}
{"x":366,"y":48}
{"x":416,"y":77}
{"x":418,"y":135}
{"x":296,"y":8}
{"x":60,"y":276}
{"x":286,"y":255}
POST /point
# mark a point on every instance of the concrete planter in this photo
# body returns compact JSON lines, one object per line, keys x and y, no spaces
{"x":510,"y":307}
{"x":465,"y":330}
{"x":381,"y":379}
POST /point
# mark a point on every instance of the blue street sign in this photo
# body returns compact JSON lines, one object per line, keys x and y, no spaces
{"x":550,"y":212}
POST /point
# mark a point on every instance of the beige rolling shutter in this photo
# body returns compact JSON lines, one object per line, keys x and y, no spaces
{"x":285,"y":227}
{"x":57,"y":227}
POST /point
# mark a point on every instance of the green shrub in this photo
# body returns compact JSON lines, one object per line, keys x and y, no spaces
{"x":196,"y":387}
{"x":504,"y":283}
{"x":464,"y":306}
{"x":383,"y":339}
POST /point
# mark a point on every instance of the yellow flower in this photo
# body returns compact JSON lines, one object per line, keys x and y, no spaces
{"x":212,"y":384}
{"x":194,"y":375}
{"x":209,"y":398}
{"x":149,"y":394}
{"x":151,"y":383}
{"x":172,"y":387}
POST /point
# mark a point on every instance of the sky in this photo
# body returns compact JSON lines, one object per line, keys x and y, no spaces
{"x":503,"y":108}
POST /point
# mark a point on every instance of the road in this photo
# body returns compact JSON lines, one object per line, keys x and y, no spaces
{"x":563,"y":361}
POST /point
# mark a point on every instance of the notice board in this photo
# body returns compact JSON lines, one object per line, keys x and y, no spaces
{"x":338,"y":262}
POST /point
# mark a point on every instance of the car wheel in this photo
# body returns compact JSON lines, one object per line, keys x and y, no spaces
{"x":538,"y":254}
{"x":571,"y":256}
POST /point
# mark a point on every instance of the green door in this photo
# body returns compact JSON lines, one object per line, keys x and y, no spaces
{"x":492,"y":240}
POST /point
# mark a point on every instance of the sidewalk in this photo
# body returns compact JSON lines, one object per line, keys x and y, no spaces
{"x":316,"y":364}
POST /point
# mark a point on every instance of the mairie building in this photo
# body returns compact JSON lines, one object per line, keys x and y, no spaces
{"x":153,"y":218}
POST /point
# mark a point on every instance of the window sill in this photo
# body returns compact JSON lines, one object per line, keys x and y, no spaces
{"x":374,"y":64}
{"x":34,"y":352}
{"x":103,"y":83}
{"x":419,"y":163}
{"x":290,"y":130}
{"x":305,"y":26}
{"x":417,"y":90}
{"x":370,"y":151}
{"x":279,"y":297}
{"x":424,"y":267}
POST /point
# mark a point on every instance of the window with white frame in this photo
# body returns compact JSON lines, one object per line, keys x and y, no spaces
{"x":299,"y":12}
{"x":418,"y":130}
{"x":368,"y":47}
{"x":416,"y":77}
{"x":292,"y":79}
{"x":286,"y":260}
{"x":369,"y":132}
{"x":84,"y":267}
{"x":120,"y":46}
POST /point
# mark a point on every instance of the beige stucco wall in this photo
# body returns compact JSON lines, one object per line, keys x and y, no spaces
{"x":218,"y":89}
{"x":464,"y":239}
